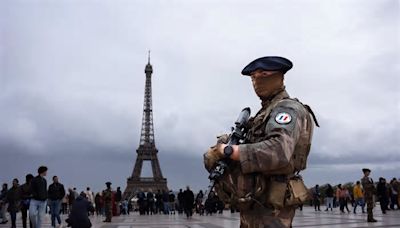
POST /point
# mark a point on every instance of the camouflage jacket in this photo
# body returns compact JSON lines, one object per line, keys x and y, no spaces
{"x":279,"y":138}
{"x":369,"y":187}
{"x":107,"y":196}
{"x":277,"y":145}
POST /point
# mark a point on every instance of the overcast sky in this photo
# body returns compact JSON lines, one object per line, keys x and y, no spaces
{"x":72,"y":83}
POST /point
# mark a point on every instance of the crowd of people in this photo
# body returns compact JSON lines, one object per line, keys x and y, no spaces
{"x":185,"y":202}
{"x":33,"y":199}
{"x":387,"y":194}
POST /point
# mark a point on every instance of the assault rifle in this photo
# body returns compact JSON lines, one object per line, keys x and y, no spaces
{"x":236,"y":137}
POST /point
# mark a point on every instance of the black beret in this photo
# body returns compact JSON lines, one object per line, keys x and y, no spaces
{"x":268,"y":63}
{"x":366,"y":170}
{"x":108,"y":183}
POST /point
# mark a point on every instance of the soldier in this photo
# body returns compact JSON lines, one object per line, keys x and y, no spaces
{"x":369,"y":191}
{"x":107,"y":198}
{"x":261,"y":177}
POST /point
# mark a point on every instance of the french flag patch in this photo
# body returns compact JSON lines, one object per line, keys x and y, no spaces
{"x":283,"y":118}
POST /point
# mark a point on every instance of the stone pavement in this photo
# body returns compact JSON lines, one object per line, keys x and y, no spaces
{"x":306,"y":218}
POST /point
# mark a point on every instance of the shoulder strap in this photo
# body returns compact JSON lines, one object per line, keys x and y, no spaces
{"x":308,"y":108}
{"x":312,"y":114}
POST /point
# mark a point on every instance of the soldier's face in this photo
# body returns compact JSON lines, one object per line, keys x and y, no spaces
{"x":265,"y":83}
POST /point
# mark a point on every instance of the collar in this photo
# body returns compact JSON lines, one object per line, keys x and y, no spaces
{"x":279,"y":95}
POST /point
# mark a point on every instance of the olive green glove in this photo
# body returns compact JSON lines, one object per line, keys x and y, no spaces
{"x":211,"y":157}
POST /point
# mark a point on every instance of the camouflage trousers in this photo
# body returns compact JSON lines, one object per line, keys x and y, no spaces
{"x":370,"y":207}
{"x":264,"y":217}
{"x":108,"y":211}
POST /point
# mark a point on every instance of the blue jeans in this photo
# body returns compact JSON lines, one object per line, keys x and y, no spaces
{"x":13,"y":215}
{"x":166,"y":208}
{"x":359,"y":202}
{"x":55,"y":207}
{"x":329,"y":202}
{"x":36,"y":212}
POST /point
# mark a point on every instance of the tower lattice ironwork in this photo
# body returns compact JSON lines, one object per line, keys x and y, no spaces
{"x":147,"y":150}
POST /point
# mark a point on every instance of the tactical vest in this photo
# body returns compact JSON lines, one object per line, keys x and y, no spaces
{"x":244,"y":190}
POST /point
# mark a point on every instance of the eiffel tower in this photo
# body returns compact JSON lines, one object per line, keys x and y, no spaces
{"x":147,"y":150}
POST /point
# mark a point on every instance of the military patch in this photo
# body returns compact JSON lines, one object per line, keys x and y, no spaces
{"x":283,"y":118}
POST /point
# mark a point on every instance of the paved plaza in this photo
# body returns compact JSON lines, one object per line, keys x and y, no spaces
{"x":306,"y":218}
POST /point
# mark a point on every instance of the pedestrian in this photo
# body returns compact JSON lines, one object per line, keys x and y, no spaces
{"x":150,"y":201}
{"x":56,"y":193}
{"x":3,"y":203}
{"x":13,"y":200}
{"x":79,"y":216}
{"x":26,"y":196}
{"x":329,"y":197}
{"x":369,"y":191}
{"x":107,"y":198}
{"x":64,"y":205}
{"x":75,"y":193}
{"x":199,"y":203}
{"x":340,"y":197}
{"x":159,"y":202}
{"x":89,"y":195}
{"x":99,"y":204}
{"x":316,"y":198}
{"x":118,"y":198}
{"x":141,"y":202}
{"x":71,"y":198}
{"x":382,"y":194}
{"x":347,"y":198}
{"x":358,"y":194}
{"x":124,"y":205}
{"x":394,"y":194}
{"x":180,"y":201}
{"x":274,"y":150}
{"x":171,"y":199}
{"x":188,"y":201}
{"x":210,"y":204}
{"x":37,"y":206}
{"x":165,"y":200}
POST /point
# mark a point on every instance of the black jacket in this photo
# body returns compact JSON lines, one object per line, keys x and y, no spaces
{"x":56,"y":191}
{"x":25,"y":191}
{"x":118,"y":196}
{"x":382,"y":190}
{"x":329,"y":192}
{"x":188,"y":199}
{"x":39,"y":188}
{"x":13,"y":199}
{"x":79,"y":213}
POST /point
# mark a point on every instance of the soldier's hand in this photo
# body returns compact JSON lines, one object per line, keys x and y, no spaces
{"x":214,"y":154}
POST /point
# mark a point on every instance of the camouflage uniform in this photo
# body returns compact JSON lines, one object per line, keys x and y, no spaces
{"x":369,"y":189}
{"x":276,"y":150}
{"x":107,"y":196}
{"x":263,"y":180}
